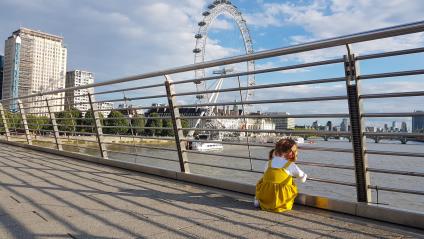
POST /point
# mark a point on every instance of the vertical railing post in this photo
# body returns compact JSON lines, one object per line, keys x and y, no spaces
{"x":98,"y":128}
{"x":55,"y":128}
{"x":24,"y":122}
{"x":357,"y":127}
{"x":5,"y":126}
{"x":176,"y":123}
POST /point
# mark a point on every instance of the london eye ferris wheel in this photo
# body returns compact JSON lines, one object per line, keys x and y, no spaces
{"x":214,"y":10}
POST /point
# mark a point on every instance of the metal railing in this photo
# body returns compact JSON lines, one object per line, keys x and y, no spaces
{"x":64,"y":126}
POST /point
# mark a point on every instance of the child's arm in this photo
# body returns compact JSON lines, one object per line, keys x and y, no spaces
{"x":297,"y":172}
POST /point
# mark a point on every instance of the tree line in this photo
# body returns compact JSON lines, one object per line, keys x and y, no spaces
{"x":73,"y":121}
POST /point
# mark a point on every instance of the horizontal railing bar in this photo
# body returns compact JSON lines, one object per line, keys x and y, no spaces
{"x":256,"y":102}
{"x":129,"y":89}
{"x":267,"y":116}
{"x":392,"y":53}
{"x":71,"y":132}
{"x":142,"y":117}
{"x":32,"y":107}
{"x":141,"y":155}
{"x":77,"y":139}
{"x":79,"y":146}
{"x":141,"y":146}
{"x":405,"y":114}
{"x":282,"y":68}
{"x":222,"y":155}
{"x":397,"y":190}
{"x":113,"y":127}
{"x":397,"y":172}
{"x":111,"y":100}
{"x":39,"y":124}
{"x":293,"y":132}
{"x":145,"y":97}
{"x":393,"y":153}
{"x":36,"y":113}
{"x":78,"y":126}
{"x":331,"y":181}
{"x":139,"y":137}
{"x":224,"y":167}
{"x":272,"y":145}
{"x":256,"y":171}
{"x":391,"y":74}
{"x":137,"y":108}
{"x":392,"y":95}
{"x":405,"y":135}
{"x":74,"y":118}
{"x":310,"y":82}
{"x":263,"y":159}
{"x":309,"y":46}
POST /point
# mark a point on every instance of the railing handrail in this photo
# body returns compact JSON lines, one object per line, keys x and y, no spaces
{"x":309,"y":46}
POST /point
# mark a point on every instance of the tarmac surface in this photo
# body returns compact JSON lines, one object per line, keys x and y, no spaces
{"x":48,"y":196}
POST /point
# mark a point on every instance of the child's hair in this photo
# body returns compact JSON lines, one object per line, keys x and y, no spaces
{"x":271,"y":154}
{"x":284,"y":146}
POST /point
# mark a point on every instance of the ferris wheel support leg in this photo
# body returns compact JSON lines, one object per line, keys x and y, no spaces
{"x":176,"y":123}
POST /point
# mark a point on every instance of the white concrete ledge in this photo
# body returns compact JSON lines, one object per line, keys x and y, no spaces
{"x":371,"y":211}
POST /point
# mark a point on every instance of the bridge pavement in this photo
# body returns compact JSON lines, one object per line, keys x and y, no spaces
{"x":49,"y":196}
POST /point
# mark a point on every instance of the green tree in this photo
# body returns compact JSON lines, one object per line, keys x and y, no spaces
{"x":137,"y":123}
{"x":37,"y":123}
{"x":14,"y":121}
{"x":118,"y":123}
{"x":185,"y":124}
{"x":90,"y":121}
{"x":167,"y":123}
{"x":154,"y":123}
{"x":68,"y":120}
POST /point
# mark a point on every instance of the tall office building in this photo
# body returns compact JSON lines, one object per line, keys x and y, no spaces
{"x":344,"y":125}
{"x":34,"y":62}
{"x":77,"y":98}
{"x":1,"y":74}
{"x":404,"y":127}
{"x":418,"y":123}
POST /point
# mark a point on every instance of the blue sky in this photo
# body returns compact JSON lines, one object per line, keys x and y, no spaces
{"x":119,"y":38}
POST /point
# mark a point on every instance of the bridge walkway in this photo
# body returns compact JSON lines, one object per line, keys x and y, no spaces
{"x":48,"y":196}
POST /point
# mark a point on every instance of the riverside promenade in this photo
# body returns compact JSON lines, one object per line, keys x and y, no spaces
{"x":48,"y":196}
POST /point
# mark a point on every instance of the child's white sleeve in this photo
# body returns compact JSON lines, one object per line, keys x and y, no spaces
{"x":296,"y":172}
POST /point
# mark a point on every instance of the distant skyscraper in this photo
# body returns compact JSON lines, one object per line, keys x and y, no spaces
{"x":418,"y":123}
{"x":34,"y":62}
{"x":344,"y":125}
{"x":77,"y":98}
{"x":386,"y":128}
{"x":404,"y":127}
{"x":329,"y":125}
{"x":393,"y":128}
{"x":315,"y":124}
{"x":1,"y":74}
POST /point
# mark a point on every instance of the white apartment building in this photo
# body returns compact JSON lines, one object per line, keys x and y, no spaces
{"x":284,"y":122}
{"x":78,"y":99}
{"x":35,"y":62}
{"x":104,"y":108}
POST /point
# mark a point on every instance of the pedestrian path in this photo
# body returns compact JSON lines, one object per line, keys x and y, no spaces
{"x":49,"y":196}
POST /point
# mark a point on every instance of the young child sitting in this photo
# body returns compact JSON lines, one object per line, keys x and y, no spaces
{"x":276,"y":191}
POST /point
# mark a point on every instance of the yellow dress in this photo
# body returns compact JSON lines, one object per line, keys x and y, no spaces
{"x":276,"y":190}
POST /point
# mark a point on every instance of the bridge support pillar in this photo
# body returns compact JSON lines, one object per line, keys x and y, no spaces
{"x":98,"y":128}
{"x":24,"y":122}
{"x":5,"y":126}
{"x":176,"y":123}
{"x":357,"y":127}
{"x":54,"y":126}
